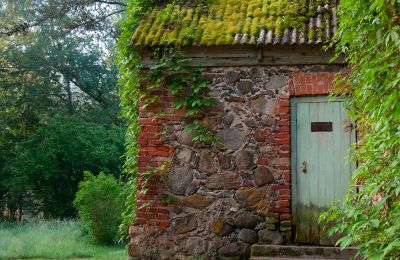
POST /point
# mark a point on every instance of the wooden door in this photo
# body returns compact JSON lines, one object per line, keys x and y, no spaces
{"x":321,"y":138}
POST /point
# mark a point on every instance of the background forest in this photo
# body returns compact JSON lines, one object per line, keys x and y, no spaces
{"x":60,"y":128}
{"x":58,"y":103}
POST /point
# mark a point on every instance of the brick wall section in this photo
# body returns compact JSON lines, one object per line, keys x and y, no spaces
{"x":281,"y":201}
{"x":311,"y":83}
{"x":151,"y":210}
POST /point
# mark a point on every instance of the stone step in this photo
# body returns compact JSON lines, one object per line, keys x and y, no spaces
{"x":288,"y":258}
{"x":259,"y":252}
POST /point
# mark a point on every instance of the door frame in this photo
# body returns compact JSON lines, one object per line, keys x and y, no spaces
{"x":293,"y":143}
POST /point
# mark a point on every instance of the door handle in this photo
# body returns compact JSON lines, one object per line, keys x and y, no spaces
{"x":303,"y":167}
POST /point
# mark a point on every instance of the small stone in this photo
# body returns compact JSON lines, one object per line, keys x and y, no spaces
{"x":253,"y":199}
{"x":200,"y":175}
{"x":263,"y":176}
{"x":286,"y":223}
{"x":184,"y":155}
{"x":223,"y":181}
{"x":244,"y":160}
{"x":255,"y":72}
{"x":266,"y":122}
{"x":277,"y":82}
{"x":264,"y":105}
{"x":185,"y":138}
{"x":225,"y":161}
{"x":270,"y":237}
{"x":220,"y":227}
{"x":179,"y":179}
{"x":210,"y":122}
{"x":233,"y":237}
{"x":233,"y":138}
{"x":191,"y":189}
{"x":235,"y":250}
{"x":198,"y":201}
{"x":259,"y":136}
{"x":236,"y":99}
{"x":196,"y":245}
{"x":207,"y":163}
{"x":231,"y":76}
{"x":228,"y":119}
{"x":184,"y":224}
{"x":244,"y":86}
{"x":250,"y":123}
{"x":260,"y":226}
{"x":248,"y":235}
{"x":248,"y":220}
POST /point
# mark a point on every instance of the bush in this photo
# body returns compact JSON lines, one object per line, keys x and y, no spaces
{"x":100,"y":202}
{"x":56,"y":156}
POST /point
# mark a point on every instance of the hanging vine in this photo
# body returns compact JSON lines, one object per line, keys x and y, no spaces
{"x":169,"y":72}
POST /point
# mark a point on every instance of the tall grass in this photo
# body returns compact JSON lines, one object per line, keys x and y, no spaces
{"x":51,"y":240}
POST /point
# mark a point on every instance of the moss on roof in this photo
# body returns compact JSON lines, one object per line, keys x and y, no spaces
{"x":227,"y":22}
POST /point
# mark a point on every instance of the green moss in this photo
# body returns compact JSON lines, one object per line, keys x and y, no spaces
{"x":221,"y":20}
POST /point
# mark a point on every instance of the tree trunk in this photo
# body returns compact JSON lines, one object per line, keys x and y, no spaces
{"x":69,"y":94}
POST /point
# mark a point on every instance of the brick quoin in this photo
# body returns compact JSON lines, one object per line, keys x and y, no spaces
{"x":151,"y":210}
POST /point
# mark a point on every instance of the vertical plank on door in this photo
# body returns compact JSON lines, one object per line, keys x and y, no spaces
{"x":303,"y":203}
{"x":326,"y":165}
{"x":313,"y":166}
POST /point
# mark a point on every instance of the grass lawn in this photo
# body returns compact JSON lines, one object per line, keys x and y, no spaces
{"x":52,"y":240}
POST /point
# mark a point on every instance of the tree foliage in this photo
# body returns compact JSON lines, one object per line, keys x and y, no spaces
{"x":100,"y":201}
{"x":369,"y":37}
{"x":54,"y":78}
{"x":47,"y":167}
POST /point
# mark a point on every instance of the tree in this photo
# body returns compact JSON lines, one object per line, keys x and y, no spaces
{"x":369,"y":37}
{"x":47,"y":167}
{"x":49,"y":73}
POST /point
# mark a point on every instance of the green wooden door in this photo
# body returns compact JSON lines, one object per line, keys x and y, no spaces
{"x":321,"y":138}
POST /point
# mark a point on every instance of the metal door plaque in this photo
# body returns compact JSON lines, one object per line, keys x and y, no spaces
{"x":321,"y":126}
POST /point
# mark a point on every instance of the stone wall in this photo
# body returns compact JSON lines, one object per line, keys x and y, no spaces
{"x":216,"y":202}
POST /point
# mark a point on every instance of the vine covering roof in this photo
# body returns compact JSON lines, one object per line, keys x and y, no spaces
{"x":232,"y":22}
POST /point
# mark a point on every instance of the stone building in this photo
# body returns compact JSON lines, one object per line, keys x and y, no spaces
{"x":281,"y":158}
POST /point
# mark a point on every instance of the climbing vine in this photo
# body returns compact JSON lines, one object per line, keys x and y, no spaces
{"x":170,"y":72}
{"x":369,"y":37}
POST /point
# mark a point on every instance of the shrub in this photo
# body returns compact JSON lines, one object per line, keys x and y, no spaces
{"x":100,"y":201}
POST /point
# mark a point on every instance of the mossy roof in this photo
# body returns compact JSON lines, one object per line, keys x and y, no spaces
{"x":231,"y":22}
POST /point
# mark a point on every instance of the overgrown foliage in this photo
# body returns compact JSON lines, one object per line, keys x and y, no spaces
{"x":43,"y":174}
{"x":369,"y":37}
{"x":168,"y":72}
{"x":100,"y":201}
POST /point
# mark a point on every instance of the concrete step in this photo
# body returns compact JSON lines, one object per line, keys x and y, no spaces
{"x":265,"y":252}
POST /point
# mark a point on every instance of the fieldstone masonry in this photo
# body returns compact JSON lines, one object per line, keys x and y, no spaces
{"x":215,"y":202}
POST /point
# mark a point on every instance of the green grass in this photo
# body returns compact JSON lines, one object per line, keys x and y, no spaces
{"x":52,"y":240}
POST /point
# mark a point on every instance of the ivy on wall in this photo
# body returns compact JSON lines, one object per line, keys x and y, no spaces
{"x":369,"y":37}
{"x":168,"y":72}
